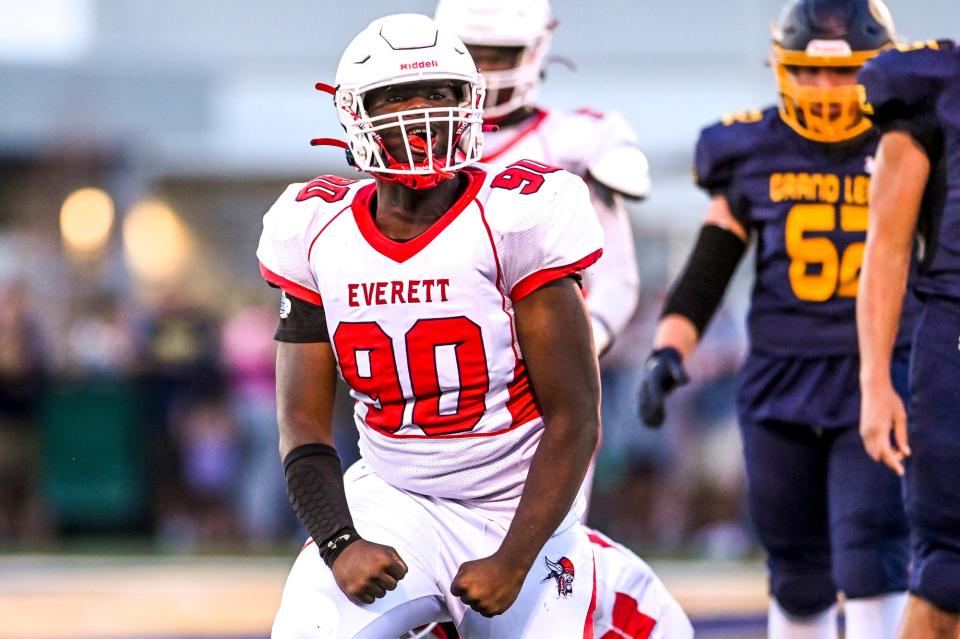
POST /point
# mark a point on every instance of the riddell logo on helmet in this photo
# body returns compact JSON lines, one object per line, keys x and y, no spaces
{"x":423,"y":64}
{"x":829,"y":48}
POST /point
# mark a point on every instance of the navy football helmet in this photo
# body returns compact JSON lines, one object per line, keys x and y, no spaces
{"x":827,"y":33}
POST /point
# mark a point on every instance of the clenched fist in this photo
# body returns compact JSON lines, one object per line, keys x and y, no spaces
{"x":488,"y":585}
{"x":366,"y":571}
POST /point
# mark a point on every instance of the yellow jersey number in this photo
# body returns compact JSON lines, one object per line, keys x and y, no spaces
{"x":839,"y":274}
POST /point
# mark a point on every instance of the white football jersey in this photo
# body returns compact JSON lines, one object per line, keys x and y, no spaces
{"x":423,"y":330}
{"x":571,"y":140}
{"x":631,"y":599}
{"x":574,"y":141}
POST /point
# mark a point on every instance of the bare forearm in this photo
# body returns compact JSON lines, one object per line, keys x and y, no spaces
{"x":304,"y":409}
{"x":676,"y":331}
{"x":879,"y":303}
{"x":554,"y":333}
{"x":896,"y":191}
{"x":300,"y":430}
{"x":555,"y":476}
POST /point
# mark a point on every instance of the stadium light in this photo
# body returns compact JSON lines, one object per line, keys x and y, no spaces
{"x":156,"y":243}
{"x":86,"y":218}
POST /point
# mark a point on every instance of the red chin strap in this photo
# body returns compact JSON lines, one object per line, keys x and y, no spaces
{"x":415,"y":181}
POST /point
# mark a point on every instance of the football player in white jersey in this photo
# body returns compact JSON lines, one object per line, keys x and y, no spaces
{"x":509,"y":41}
{"x":446,"y":297}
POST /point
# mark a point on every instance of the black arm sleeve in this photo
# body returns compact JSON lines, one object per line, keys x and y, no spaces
{"x":315,"y":488}
{"x":301,"y":322}
{"x":699,"y":289}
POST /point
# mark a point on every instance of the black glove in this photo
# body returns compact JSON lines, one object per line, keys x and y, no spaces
{"x":664,"y":373}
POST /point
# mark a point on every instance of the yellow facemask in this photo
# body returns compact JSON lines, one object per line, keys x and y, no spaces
{"x":821,"y":114}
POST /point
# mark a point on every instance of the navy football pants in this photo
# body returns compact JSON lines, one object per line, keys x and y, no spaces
{"x":830,"y":518}
{"x":933,"y":469}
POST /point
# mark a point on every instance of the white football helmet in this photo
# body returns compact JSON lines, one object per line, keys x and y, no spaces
{"x":504,"y":23}
{"x":400,"y":49}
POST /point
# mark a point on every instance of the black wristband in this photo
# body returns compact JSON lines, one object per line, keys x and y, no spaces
{"x":332,"y":549}
{"x":315,"y":488}
{"x":699,"y":289}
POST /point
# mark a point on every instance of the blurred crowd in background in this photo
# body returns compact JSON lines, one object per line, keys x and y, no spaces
{"x":144,"y":408}
{"x":140,"y":144}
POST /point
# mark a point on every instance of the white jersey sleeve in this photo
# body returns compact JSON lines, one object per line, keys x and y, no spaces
{"x":290,"y":228}
{"x":613,"y":283}
{"x":559,"y":236}
{"x":284,"y":245}
{"x":632,"y":601}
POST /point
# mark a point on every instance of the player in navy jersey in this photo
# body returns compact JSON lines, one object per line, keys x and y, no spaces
{"x":795,"y":180}
{"x":913,"y":95}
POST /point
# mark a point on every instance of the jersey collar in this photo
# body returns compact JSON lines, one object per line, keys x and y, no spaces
{"x":403,"y":251}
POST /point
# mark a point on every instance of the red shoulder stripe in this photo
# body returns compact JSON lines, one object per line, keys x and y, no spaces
{"x":291,"y":288}
{"x":535,"y":280}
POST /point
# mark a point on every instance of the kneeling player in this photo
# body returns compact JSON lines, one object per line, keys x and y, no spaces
{"x":447,"y":299}
{"x":632,"y":602}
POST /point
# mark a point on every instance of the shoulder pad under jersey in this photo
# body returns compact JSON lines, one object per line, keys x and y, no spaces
{"x":578,"y":138}
{"x":725,"y":144}
{"x":543,"y":224}
{"x":902,"y":83}
{"x":291,"y":224}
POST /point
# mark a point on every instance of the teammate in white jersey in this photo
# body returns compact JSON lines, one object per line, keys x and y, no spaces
{"x":509,"y":41}
{"x":632,"y":602}
{"x":446,"y":296}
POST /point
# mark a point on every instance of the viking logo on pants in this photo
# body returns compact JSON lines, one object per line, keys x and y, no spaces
{"x":562,"y":572}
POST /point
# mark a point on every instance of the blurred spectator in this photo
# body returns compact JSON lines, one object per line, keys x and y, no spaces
{"x":207,"y":446}
{"x":179,"y":363}
{"x":249,"y":354}
{"x":100,"y":339}
{"x":22,"y":384}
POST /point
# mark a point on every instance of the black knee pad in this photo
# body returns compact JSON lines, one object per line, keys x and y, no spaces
{"x":802,"y":594}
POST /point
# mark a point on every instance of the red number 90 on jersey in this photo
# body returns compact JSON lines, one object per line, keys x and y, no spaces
{"x":368,"y":364}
